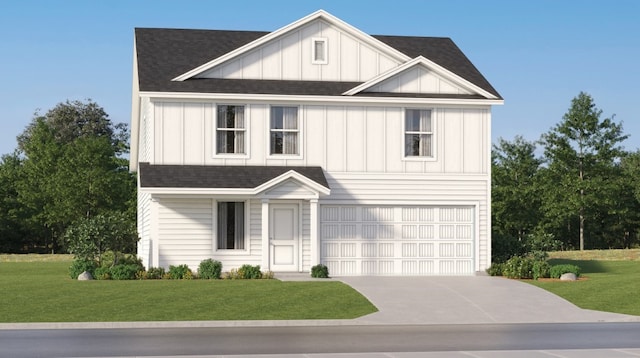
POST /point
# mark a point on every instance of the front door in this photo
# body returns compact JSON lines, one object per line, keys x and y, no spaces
{"x":284,"y":237}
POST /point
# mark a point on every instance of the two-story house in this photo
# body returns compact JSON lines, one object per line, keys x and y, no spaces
{"x":314,"y":143}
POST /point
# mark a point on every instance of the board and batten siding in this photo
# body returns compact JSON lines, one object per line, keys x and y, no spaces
{"x":186,"y":234}
{"x":418,"y":80}
{"x":290,"y":58}
{"x":352,"y":139}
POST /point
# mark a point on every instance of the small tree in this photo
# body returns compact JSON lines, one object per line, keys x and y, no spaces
{"x":91,"y":237}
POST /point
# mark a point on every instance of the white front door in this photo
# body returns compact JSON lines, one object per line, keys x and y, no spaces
{"x":284,"y":237}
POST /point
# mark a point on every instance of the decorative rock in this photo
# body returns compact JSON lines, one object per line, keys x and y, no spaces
{"x":569,"y":276}
{"x":85,"y":276}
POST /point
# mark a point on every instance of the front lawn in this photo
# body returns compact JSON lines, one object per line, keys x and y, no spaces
{"x":605,"y":284}
{"x":41,"y":291}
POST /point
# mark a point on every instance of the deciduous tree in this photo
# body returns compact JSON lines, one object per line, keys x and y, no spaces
{"x":581,"y":153}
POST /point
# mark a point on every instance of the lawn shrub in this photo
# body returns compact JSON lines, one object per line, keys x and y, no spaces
{"x":79,"y":266}
{"x":541,"y":269}
{"x":124,"y":272}
{"x":495,"y":269}
{"x":210,"y":269}
{"x":320,"y":271}
{"x":250,"y":272}
{"x":518,"y":267}
{"x":180,"y":272}
{"x":245,"y":272}
{"x":559,"y":270}
{"x":103,"y":273}
{"x":154,"y":273}
{"x":130,"y":271}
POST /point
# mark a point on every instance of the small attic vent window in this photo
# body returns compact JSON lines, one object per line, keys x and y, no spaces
{"x":319,"y":50}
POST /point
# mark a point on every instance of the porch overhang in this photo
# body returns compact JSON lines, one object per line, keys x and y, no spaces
{"x":255,"y":181}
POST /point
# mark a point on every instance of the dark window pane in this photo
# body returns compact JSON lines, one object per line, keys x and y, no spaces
{"x":276,"y":143}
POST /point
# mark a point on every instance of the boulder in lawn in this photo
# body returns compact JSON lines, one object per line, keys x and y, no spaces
{"x":85,"y":276}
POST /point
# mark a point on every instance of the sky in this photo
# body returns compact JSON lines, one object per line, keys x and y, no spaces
{"x":537,"y":54}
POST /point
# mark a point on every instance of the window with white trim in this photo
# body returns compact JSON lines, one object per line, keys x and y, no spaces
{"x":319,"y":50}
{"x":284,"y":131}
{"x":418,"y":133}
{"x":231,"y":225}
{"x":230,"y":130}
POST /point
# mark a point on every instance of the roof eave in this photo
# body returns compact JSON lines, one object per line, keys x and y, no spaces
{"x":361,"y":99}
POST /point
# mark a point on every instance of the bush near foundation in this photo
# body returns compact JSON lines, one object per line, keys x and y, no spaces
{"x":320,"y":271}
{"x":210,"y":269}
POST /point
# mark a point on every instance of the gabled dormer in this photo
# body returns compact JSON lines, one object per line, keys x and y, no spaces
{"x":421,"y":76}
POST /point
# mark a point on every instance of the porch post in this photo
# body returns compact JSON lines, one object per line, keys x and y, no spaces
{"x":265,"y":235}
{"x":315,"y":243}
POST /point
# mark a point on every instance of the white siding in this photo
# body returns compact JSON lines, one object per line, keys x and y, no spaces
{"x":353,"y":139}
{"x":418,"y":80}
{"x":186,"y":234}
{"x":185,"y":231}
{"x":144,"y":229}
{"x":289,"y":58}
{"x":306,"y":237}
{"x":146,"y":131}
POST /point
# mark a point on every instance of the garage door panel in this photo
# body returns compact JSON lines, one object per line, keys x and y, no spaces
{"x":410,"y":240}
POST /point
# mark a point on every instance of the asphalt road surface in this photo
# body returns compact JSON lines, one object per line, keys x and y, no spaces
{"x":162,"y":342}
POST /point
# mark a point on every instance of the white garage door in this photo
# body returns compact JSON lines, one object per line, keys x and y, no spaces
{"x":406,"y":240}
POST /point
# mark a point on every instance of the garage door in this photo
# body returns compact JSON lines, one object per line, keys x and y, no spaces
{"x":406,"y":240}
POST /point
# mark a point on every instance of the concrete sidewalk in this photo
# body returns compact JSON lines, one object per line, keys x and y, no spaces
{"x":468,"y":300}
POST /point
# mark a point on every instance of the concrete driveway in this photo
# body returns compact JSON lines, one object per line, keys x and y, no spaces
{"x":468,"y":300}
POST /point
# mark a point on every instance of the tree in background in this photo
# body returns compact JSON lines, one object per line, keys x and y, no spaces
{"x":12,"y":231}
{"x":581,"y":155}
{"x":515,"y":199}
{"x":70,"y":168}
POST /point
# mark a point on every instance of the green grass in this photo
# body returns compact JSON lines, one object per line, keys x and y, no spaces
{"x":610,"y":280}
{"x":41,"y":291}
{"x":601,"y":255}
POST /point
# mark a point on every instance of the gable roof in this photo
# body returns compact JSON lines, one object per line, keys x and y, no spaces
{"x":318,"y":15}
{"x":416,"y":62}
{"x":164,"y":54}
{"x":222,"y":177}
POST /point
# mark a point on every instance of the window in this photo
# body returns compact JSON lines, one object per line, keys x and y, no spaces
{"x":319,"y":50}
{"x":284,"y":130}
{"x":418,"y":133}
{"x":230,"y":130}
{"x":230,"y":226}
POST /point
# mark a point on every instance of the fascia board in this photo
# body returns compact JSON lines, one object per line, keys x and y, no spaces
{"x":420,"y":60}
{"x":198,"y":191}
{"x":320,"y":14}
{"x":272,"y":98}
{"x":135,"y":113}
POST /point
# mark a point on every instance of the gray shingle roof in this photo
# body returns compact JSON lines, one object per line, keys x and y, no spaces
{"x":164,"y":54}
{"x":215,"y":176}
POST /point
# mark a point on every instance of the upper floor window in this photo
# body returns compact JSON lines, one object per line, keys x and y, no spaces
{"x":319,"y":50}
{"x":418,"y":133}
{"x":284,"y":130}
{"x":230,"y":130}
